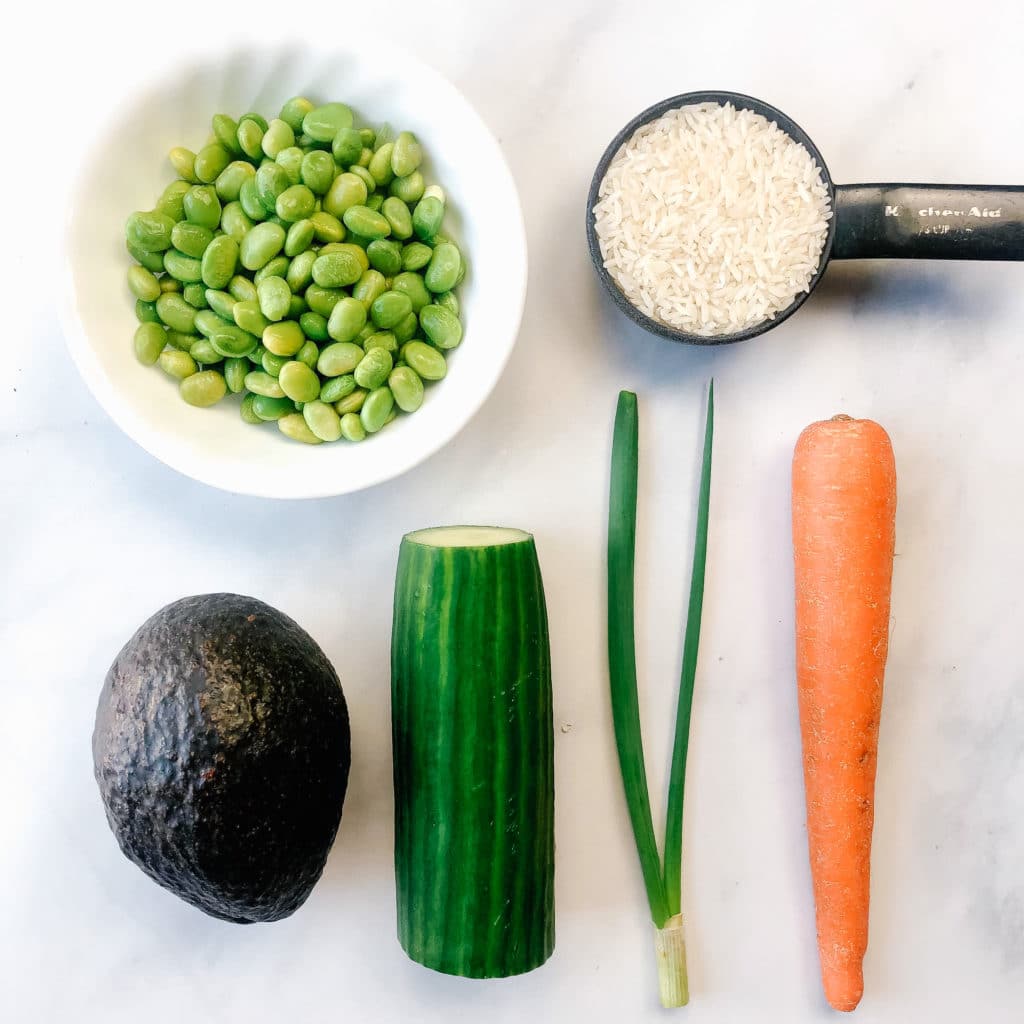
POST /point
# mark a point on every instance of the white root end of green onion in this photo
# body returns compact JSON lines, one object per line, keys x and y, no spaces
{"x":670,"y":949}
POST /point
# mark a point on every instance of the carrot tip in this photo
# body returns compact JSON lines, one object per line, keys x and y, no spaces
{"x":844,"y":992}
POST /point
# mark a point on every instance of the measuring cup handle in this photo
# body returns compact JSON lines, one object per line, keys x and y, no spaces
{"x":929,"y":222}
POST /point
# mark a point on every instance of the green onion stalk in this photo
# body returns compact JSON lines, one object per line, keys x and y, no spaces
{"x":662,"y":879}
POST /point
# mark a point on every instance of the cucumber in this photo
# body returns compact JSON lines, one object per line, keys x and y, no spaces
{"x":473,"y":753}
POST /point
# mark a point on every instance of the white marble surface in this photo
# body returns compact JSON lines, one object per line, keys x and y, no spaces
{"x":96,"y":535}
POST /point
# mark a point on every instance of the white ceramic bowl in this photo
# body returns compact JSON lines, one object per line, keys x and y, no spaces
{"x":126,"y":170}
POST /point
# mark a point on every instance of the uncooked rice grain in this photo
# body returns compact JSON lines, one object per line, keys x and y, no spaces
{"x":712,"y":219}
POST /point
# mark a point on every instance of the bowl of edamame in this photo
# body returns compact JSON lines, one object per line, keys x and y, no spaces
{"x":294,"y":272}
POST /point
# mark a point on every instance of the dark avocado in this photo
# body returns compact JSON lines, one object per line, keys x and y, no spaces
{"x":222,"y":752}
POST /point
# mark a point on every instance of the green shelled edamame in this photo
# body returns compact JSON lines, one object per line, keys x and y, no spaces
{"x":299,"y":263}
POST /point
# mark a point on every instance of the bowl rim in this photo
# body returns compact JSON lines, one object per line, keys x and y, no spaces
{"x":150,"y":438}
{"x":742,"y":102}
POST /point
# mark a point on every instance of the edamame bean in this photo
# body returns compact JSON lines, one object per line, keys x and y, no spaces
{"x":299,"y":382}
{"x":347,"y":190}
{"x":235,"y":371}
{"x":327,"y":227}
{"x":323,"y":300}
{"x":178,"y":365}
{"x":373,"y":368}
{"x":352,"y":428}
{"x":277,"y":136}
{"x":230,"y":181}
{"x":365,"y":177}
{"x":374,"y":203}
{"x":261,"y":245}
{"x":242,"y":288}
{"x":152,"y":261}
{"x":210,"y":161}
{"x":347,"y":319}
{"x":256,"y":357}
{"x":336,"y":388}
{"x":269,"y":409}
{"x":284,"y":338}
{"x":249,"y":199}
{"x":426,"y":361}
{"x":317,"y":171}
{"x":169,"y":284}
{"x":146,"y":312}
{"x":271,"y":181}
{"x":324,"y":122}
{"x":441,"y":326}
{"x":352,"y":402}
{"x":172,"y":200}
{"x":232,"y":342}
{"x":248,"y":315}
{"x":203,"y":389}
{"x":272,"y":364}
{"x":277,"y":267}
{"x":143,"y":284}
{"x":406,"y":386}
{"x":376,"y":408}
{"x":428,"y":217}
{"x":202,"y":206}
{"x":295,"y":203}
{"x":274,"y":297}
{"x":369,"y":286}
{"x":246,"y":411}
{"x":367,"y":223}
{"x":385,"y":256}
{"x":412,"y":285}
{"x":191,"y":239}
{"x":308,"y":354}
{"x":442,"y":272}
{"x":299,"y":237}
{"x":346,"y":147}
{"x":207,"y":321}
{"x":182,"y":342}
{"x":220,"y":261}
{"x":416,"y":255}
{"x":195,"y":295}
{"x":235,"y":221}
{"x":150,"y":340}
{"x":314,"y":326}
{"x":382,"y":339}
{"x":448,"y":300}
{"x":296,"y":307}
{"x":300,"y":271}
{"x":225,"y":129}
{"x":340,"y":358}
{"x":365,"y":156}
{"x":409,"y":189}
{"x":294,"y":111}
{"x":221,"y":302}
{"x":291,"y":160}
{"x":336,"y":270}
{"x":203,"y":352}
{"x":176,"y":313}
{"x":261,"y":383}
{"x":406,"y":329}
{"x":398,"y":216}
{"x":184,"y":162}
{"x":322,"y":420}
{"x":149,"y":230}
{"x":390,"y":308}
{"x":294,"y":426}
{"x":406,"y":155}
{"x":250,"y":138}
{"x":380,"y":164}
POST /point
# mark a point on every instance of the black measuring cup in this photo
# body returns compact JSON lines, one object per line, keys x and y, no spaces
{"x":872,"y":221}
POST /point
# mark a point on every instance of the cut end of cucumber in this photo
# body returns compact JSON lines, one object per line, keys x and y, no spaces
{"x":468,"y":536}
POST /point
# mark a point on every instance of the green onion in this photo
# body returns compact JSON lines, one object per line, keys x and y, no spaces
{"x":663,"y":883}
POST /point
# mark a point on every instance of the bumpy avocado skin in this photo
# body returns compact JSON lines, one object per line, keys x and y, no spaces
{"x":222,"y":752}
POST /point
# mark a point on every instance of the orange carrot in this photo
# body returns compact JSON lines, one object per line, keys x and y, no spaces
{"x":844,"y":515}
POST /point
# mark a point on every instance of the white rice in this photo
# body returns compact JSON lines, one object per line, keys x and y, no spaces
{"x":712,"y":219}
